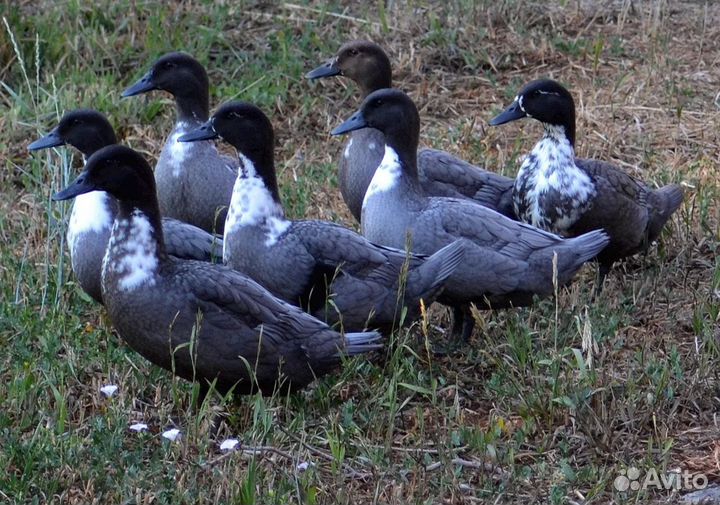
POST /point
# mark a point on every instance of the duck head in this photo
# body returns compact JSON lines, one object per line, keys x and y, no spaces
{"x":360,"y":60}
{"x":182,"y":76}
{"x":392,"y":112}
{"x":85,"y":129}
{"x":249,"y":131}
{"x":118,"y":170}
{"x":545,"y":100}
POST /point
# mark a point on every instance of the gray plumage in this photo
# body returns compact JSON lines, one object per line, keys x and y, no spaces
{"x":506,"y":262}
{"x":439,"y":172}
{"x":93,"y":213}
{"x":331,"y":271}
{"x":194,"y":181}
{"x":203,"y":322}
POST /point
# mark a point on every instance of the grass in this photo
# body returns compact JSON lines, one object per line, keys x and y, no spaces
{"x":547,"y":405}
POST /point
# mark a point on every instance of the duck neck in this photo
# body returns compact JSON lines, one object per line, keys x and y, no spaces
{"x":397,"y":173}
{"x":557,"y":140}
{"x":143,"y":217}
{"x":95,"y":141}
{"x":193,"y":106}
{"x":375,"y":81}
{"x":405,"y":144}
{"x":561,"y":132}
{"x":552,"y":154}
{"x":136,"y":247}
{"x":255,"y":200}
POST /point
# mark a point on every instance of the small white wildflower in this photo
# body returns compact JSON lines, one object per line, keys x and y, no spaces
{"x":172,"y":434}
{"x":229,"y":444}
{"x":303,"y":466}
{"x":138,"y":427}
{"x":109,"y":390}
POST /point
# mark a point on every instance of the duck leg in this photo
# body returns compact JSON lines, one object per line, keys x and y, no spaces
{"x":603,"y":270}
{"x":462,"y":328}
{"x":468,"y":324}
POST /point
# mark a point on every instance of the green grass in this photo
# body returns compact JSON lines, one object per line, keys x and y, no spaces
{"x":546,"y":405}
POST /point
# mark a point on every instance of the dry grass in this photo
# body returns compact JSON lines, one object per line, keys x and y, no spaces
{"x":520,"y":415}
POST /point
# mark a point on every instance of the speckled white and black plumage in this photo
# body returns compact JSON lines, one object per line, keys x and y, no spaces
{"x":194,"y":181}
{"x":439,"y":173}
{"x":570,"y":196}
{"x":242,"y":336}
{"x":506,"y":262}
{"x":93,"y":213}
{"x":333,"y":272}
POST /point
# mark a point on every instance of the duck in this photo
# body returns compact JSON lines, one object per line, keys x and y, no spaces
{"x":439,"y":173}
{"x":203,"y":322}
{"x":194,"y":181}
{"x":506,"y":262}
{"x":93,"y":213}
{"x":333,"y":272}
{"x":570,"y":196}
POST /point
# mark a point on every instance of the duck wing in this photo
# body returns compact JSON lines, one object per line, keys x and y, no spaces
{"x":186,"y":241}
{"x":442,"y":174}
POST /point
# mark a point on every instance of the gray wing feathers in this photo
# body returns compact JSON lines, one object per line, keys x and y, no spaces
{"x":429,"y":278}
{"x":332,"y":244}
{"x":186,"y":241}
{"x":443,"y":174}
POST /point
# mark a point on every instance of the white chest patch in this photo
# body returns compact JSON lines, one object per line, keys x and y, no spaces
{"x":252,"y":204}
{"x":90,"y":213}
{"x":346,"y":153}
{"x":179,"y":152}
{"x":134,"y":252}
{"x":387,"y":174}
{"x":551,"y":192}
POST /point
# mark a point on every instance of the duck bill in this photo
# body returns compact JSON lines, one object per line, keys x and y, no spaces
{"x":52,"y":139}
{"x":144,"y":85}
{"x":79,"y":186}
{"x":356,"y":122}
{"x":512,"y":113}
{"x":203,"y":132}
{"x":327,"y":69}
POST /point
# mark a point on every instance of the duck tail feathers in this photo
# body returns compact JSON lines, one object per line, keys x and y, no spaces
{"x":362,"y":342}
{"x":663,"y":203}
{"x":589,"y":245}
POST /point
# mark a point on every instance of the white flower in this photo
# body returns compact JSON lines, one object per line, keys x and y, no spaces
{"x":229,"y":444}
{"x":303,"y":466}
{"x":138,"y":427}
{"x":109,"y":390}
{"x":172,"y":434}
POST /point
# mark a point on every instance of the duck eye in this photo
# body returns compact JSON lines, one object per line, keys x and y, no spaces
{"x":354,"y":52}
{"x":170,"y":64}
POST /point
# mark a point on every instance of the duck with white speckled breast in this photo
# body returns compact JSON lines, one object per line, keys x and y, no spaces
{"x":506,"y":262}
{"x":570,"y":196}
{"x":93,"y":213}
